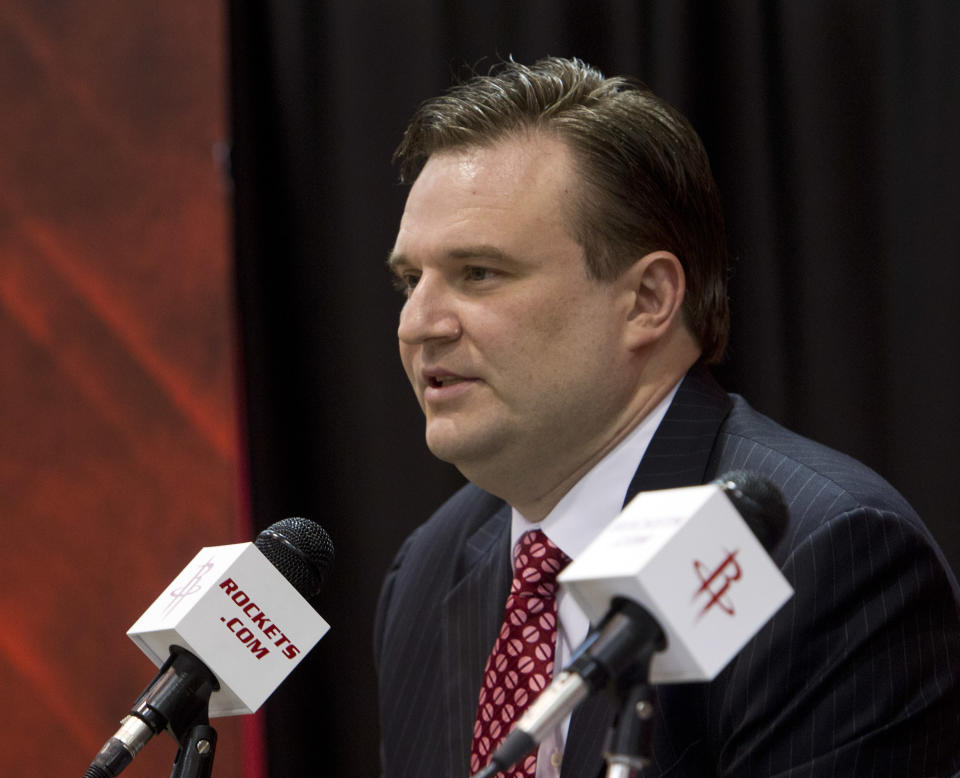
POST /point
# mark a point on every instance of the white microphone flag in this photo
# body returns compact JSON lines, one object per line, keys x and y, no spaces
{"x":240,"y":616}
{"x":688,"y":557}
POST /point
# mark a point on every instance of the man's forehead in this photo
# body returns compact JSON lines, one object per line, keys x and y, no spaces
{"x":511,"y":157}
{"x":508,"y":195}
{"x":512,"y":179}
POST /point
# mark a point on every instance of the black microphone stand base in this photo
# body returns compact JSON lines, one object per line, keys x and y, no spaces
{"x":628,"y":747}
{"x":198,"y":746}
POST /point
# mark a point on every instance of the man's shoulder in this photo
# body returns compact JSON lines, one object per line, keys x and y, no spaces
{"x":468,"y":501}
{"x":465,"y":511}
{"x":469,"y":514}
{"x":433,"y":557}
{"x":814,"y":478}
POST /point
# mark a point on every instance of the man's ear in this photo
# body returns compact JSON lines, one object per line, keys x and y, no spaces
{"x":657,"y":284}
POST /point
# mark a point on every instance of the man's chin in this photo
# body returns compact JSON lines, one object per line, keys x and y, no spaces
{"x":446,"y":450}
{"x":459,"y":449}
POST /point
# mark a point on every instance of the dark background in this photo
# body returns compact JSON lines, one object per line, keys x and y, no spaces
{"x":832,"y":127}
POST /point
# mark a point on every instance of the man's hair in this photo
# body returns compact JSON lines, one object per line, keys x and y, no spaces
{"x":646,"y":180}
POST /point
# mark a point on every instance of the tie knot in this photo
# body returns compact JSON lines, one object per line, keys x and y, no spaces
{"x":537,"y":562}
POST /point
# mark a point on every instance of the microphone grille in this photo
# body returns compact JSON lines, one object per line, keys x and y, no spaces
{"x":300,"y":549}
{"x":759,"y":502}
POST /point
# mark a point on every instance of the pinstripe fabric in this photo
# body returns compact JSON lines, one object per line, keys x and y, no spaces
{"x":859,"y":675}
{"x":435,"y":626}
{"x":468,"y":632}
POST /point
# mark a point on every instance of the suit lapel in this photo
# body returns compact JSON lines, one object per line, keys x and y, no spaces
{"x":680,"y":454}
{"x":471,"y":616}
{"x":682,"y":447}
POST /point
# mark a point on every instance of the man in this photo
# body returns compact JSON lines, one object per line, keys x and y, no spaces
{"x":562,"y":256}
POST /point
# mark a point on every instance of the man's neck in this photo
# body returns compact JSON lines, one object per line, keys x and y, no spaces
{"x":534,"y":507}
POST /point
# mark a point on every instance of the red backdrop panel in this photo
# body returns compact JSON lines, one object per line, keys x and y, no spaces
{"x":117,"y":412}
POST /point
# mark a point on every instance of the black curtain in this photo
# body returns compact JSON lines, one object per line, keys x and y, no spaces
{"x":832,"y":127}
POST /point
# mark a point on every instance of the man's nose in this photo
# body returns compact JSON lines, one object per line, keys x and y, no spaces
{"x":429,"y":313}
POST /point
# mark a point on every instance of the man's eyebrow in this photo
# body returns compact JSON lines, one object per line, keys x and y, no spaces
{"x":484,"y":251}
{"x":395,"y":260}
{"x":481,"y":251}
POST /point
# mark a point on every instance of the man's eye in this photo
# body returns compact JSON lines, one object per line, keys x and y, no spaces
{"x":474,"y":273}
{"x":404,"y":282}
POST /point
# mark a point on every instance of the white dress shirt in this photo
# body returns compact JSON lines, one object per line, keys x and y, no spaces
{"x":593,"y":502}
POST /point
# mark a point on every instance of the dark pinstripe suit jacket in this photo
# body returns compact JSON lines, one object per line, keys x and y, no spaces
{"x":858,"y":675}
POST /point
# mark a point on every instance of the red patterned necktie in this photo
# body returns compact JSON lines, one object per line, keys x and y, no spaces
{"x":521,"y":662}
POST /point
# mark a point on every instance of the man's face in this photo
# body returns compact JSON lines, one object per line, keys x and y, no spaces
{"x":515,"y":355}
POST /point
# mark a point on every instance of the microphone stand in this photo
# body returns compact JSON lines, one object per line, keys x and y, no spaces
{"x":628,"y":747}
{"x":177,"y":699}
{"x":189,"y":721}
{"x":616,"y":656}
{"x":195,"y":756}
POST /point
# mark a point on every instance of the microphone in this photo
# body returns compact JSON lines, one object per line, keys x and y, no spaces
{"x":680,"y":579}
{"x":225,"y":633}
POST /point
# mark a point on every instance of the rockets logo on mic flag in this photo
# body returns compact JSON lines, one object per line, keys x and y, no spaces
{"x":688,"y":557}
{"x":233,"y":608}
{"x":715,"y":583}
{"x":192,"y":586}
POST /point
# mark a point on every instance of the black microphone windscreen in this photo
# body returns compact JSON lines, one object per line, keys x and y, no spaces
{"x":300,"y":549}
{"x":759,"y":502}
